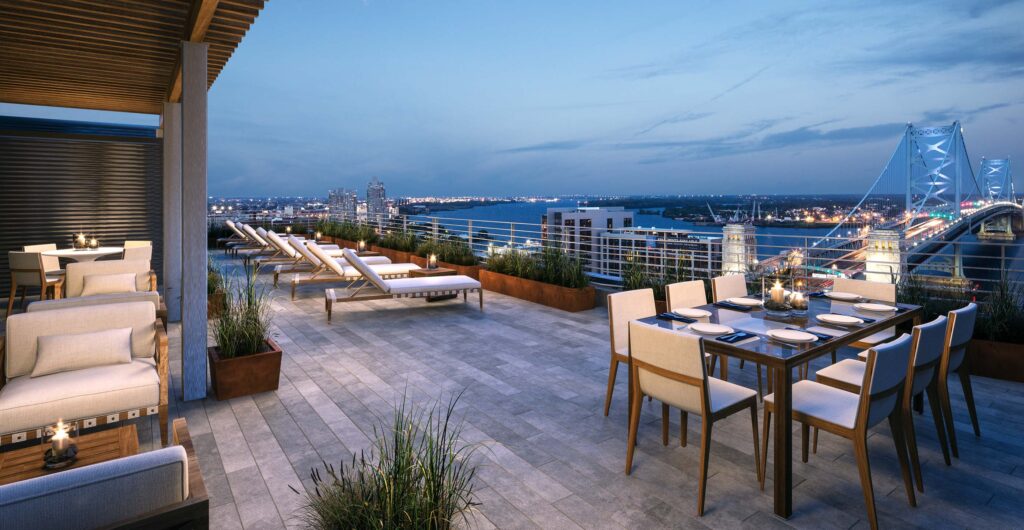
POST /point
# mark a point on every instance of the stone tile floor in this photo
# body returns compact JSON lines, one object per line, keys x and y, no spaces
{"x":534,"y":380}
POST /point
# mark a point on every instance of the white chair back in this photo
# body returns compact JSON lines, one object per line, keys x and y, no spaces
{"x":680,"y":355}
{"x":301,"y":249}
{"x":887,"y":368}
{"x":930,"y":339}
{"x":623,"y":307}
{"x":138,"y":252}
{"x":74,"y":281}
{"x":280,"y":244}
{"x":962,"y":322}
{"x":255,"y":237}
{"x":325,"y":258}
{"x":234,"y":228}
{"x":368,"y":273}
{"x":50,"y":263}
{"x":728,"y":286}
{"x":27,"y":268}
{"x":883,"y":292}
{"x":685,"y":295}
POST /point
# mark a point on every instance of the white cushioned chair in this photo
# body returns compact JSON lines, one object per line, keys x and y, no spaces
{"x":75,"y":279}
{"x":958,"y":334}
{"x":28,"y":269}
{"x":877,"y":291}
{"x":96,"y":395}
{"x":723,"y":288}
{"x":685,"y":295}
{"x":623,"y":307}
{"x":50,"y":263}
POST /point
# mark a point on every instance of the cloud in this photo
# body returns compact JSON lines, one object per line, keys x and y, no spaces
{"x":678,"y":118}
{"x":565,"y":145}
{"x":993,"y":50}
{"x":953,"y":113}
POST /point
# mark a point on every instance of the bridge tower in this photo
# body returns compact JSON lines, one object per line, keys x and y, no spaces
{"x":938,"y":171}
{"x":882,"y":256}
{"x":739,"y":248}
{"x":996,"y":179}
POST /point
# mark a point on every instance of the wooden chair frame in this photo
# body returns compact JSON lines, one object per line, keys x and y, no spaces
{"x":965,"y":383}
{"x":330,"y":298}
{"x":45,"y":284}
{"x":707,"y":419}
{"x":858,"y":435}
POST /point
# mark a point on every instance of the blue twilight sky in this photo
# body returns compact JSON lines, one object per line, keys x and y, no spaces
{"x":589,"y":96}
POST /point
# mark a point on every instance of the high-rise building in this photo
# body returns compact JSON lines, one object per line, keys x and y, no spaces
{"x":376,"y":200}
{"x":576,"y":229}
{"x":342,"y":202}
{"x":739,"y":248}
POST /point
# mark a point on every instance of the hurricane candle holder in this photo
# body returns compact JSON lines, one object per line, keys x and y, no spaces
{"x":432,"y":261}
{"x":94,"y":243}
{"x":798,"y":301}
{"x":288,"y":229}
{"x":775,"y":305}
{"x":63,"y":451}
{"x":361,"y":245}
{"x":79,"y":241}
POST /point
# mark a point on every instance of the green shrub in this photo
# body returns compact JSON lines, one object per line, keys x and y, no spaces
{"x":934,"y":299}
{"x":421,"y":477}
{"x":1002,"y":314}
{"x":242,"y":327}
{"x":452,"y":249}
{"x":402,"y":240}
{"x":550,"y":265}
{"x":214,"y":278}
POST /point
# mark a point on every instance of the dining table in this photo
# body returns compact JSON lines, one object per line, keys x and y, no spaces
{"x":781,"y":358}
{"x":88,"y":254}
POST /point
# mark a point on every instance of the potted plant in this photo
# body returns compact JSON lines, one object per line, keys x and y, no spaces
{"x":215,"y":295}
{"x":997,"y":349}
{"x":245,"y":360}
{"x":419,"y":475}
{"x":551,"y":278}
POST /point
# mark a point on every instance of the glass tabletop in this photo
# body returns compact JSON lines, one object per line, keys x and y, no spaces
{"x":758,"y":322}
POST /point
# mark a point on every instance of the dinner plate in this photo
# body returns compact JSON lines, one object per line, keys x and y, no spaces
{"x":748,"y":302}
{"x":838,"y":295}
{"x":842,"y":320}
{"x":876,"y":308}
{"x":791,"y":335}
{"x":710,"y":329}
{"x":692,"y":313}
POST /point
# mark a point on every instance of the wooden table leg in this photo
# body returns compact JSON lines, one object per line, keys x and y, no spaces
{"x":783,"y":465}
{"x":723,"y":370}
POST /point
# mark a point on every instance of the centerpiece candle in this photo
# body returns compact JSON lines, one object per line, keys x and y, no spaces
{"x":778,"y":294}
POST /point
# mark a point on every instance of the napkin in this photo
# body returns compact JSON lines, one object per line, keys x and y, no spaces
{"x":733,"y":338}
{"x":679,"y":318}
{"x":734,"y":307}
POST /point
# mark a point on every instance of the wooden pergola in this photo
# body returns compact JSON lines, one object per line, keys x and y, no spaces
{"x":143,"y":56}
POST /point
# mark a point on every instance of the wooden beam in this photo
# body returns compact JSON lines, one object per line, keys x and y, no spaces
{"x":199,"y":19}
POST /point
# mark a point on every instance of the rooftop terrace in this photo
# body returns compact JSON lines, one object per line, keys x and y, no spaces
{"x":534,"y":381}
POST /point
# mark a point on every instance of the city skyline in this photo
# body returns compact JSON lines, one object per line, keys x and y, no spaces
{"x":605,"y":100}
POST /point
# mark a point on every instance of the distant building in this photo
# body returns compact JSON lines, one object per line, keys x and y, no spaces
{"x":342,"y":202}
{"x":739,"y":248}
{"x":575,"y":229}
{"x":376,"y":200}
{"x":661,"y":250}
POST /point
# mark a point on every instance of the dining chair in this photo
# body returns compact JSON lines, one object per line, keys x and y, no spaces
{"x":958,"y":334}
{"x":683,"y":295}
{"x":28,"y":270}
{"x":733,"y":286}
{"x":671,"y":368}
{"x":51,"y":264}
{"x":623,"y":307}
{"x":850,"y":415}
{"x":927,"y":342}
{"x":138,"y":250}
{"x":878,"y":291}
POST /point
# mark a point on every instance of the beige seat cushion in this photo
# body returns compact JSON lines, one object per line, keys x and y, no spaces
{"x":431,"y":284}
{"x":152,"y":297}
{"x":27,"y":402}
{"x":725,"y":394}
{"x":76,"y":351}
{"x":847,"y":371}
{"x":385,"y":270}
{"x":123,"y":282}
{"x":823,"y":402}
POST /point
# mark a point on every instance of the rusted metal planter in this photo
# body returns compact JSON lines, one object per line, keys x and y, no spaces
{"x":247,"y":374}
{"x":999,"y":360}
{"x":564,"y":298}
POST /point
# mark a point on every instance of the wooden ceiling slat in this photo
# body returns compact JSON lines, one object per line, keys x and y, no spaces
{"x":111,"y":55}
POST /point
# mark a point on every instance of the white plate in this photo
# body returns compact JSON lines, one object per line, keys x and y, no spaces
{"x":877,"y":308}
{"x":843,"y":320}
{"x":692,"y":313}
{"x":710,"y":329}
{"x":748,"y":302}
{"x":837,"y":295}
{"x":791,"y":335}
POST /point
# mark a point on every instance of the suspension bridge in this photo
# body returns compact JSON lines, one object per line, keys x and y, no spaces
{"x":926,"y":198}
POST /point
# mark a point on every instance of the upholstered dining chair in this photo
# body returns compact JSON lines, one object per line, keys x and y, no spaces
{"x":623,"y":307}
{"x":958,"y":334}
{"x":136,"y":250}
{"x":927,"y":343}
{"x":733,"y":286}
{"x":850,"y":415}
{"x":882,"y":292}
{"x":51,"y":264}
{"x":683,"y":295}
{"x":671,"y":367}
{"x":28,"y":270}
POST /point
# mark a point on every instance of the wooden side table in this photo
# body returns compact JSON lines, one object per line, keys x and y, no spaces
{"x":368,"y":253}
{"x":427,"y":273}
{"x":93,"y":448}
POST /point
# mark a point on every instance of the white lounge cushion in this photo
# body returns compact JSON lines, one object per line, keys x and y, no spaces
{"x":847,"y":371}
{"x":152,"y":297}
{"x":369,"y":260}
{"x":368,"y":273}
{"x":25,"y":402}
{"x":431,"y":284}
{"x":823,"y":402}
{"x":123,"y":282}
{"x":75,"y":351}
{"x":385,"y":270}
{"x":725,"y":394}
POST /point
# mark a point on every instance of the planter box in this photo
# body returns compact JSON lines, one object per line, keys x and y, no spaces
{"x":473,"y":271}
{"x":999,"y":360}
{"x":564,"y":298}
{"x":249,"y":374}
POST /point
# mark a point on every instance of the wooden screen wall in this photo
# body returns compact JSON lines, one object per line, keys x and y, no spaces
{"x":59,"y":177}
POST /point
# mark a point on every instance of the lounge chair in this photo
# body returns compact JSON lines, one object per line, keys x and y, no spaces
{"x":319,"y":272}
{"x":259,"y":247}
{"x":377,"y":288}
{"x":338,"y":270}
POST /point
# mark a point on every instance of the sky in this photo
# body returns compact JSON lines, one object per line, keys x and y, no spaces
{"x":490,"y":97}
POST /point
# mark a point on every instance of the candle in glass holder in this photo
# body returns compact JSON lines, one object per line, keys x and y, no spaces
{"x":361,"y":245}
{"x":81,"y":240}
{"x":432,"y":261}
{"x":93,"y":243}
{"x":778,"y":294}
{"x":798,"y":301}
{"x":318,"y":236}
{"x":288,"y":229}
{"x":60,"y":441}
